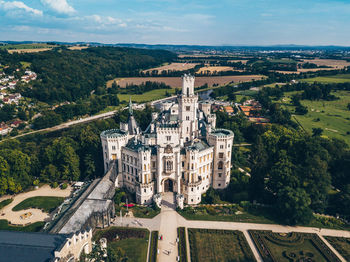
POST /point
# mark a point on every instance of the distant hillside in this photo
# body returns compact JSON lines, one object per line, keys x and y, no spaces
{"x":68,"y":75}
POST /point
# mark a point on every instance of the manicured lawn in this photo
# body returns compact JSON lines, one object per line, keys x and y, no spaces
{"x":209,"y":245}
{"x":5,"y":202}
{"x":138,"y":211}
{"x":332,"y":116}
{"x":47,"y":204}
{"x":227,"y":213}
{"x":342,"y":245}
{"x":252,"y":214}
{"x":276,"y":247}
{"x":133,"y":241}
{"x":35,"y":227}
{"x":341,"y":78}
{"x":147,"y":96}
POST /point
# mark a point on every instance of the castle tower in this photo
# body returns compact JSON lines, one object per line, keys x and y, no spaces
{"x":188,"y":107}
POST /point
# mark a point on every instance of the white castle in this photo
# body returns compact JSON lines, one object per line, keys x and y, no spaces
{"x":181,"y":151}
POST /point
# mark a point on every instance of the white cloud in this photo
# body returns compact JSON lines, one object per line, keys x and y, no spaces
{"x":105,"y":21}
{"x":17,"y":5}
{"x":60,"y":6}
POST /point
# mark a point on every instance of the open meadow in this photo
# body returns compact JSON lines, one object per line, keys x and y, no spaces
{"x":332,"y":116}
{"x":341,"y":78}
{"x":176,"y":82}
{"x":337,"y":64}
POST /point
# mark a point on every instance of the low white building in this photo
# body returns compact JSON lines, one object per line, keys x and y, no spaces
{"x":181,"y":151}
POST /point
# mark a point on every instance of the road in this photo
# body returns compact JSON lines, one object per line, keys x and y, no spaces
{"x":169,"y":220}
{"x":86,"y":119}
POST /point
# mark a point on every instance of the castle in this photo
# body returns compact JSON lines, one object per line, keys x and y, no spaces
{"x":181,"y":151}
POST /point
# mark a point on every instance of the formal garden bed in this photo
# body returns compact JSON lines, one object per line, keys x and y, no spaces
{"x":5,"y":202}
{"x":249,"y":213}
{"x":45,"y":203}
{"x":209,"y":245}
{"x":153,"y":247}
{"x":132,"y":241}
{"x":233,"y":213}
{"x":341,"y":244}
{"x":291,"y":247}
{"x":182,"y":249}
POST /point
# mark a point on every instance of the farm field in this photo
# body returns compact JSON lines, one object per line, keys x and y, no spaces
{"x":282,"y":247}
{"x":176,"y":82}
{"x":147,"y":96}
{"x":134,"y":242}
{"x":341,"y":78}
{"x":212,"y":69}
{"x":208,"y":245}
{"x":342,"y":245}
{"x":336,"y":64}
{"x":172,"y":67}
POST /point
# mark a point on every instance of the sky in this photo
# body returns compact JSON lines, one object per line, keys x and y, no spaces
{"x":197,"y":22}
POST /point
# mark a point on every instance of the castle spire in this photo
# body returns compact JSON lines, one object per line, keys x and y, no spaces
{"x":130,"y":107}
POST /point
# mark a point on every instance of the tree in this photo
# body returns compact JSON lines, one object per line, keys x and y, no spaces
{"x":317,"y":131}
{"x":48,"y":119}
{"x":293,"y":205}
{"x":62,"y":155}
{"x":49,"y":173}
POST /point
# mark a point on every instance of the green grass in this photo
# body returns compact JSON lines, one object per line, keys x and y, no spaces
{"x":5,"y":202}
{"x":35,"y":227}
{"x":135,"y":244}
{"x":25,"y":64}
{"x":47,"y":204}
{"x":341,"y":78}
{"x":342,"y":245}
{"x":153,"y":247}
{"x":282,"y":247}
{"x":332,"y":116}
{"x":253,"y":214}
{"x":147,"y":96}
{"x":218,"y":245}
{"x":138,"y":211}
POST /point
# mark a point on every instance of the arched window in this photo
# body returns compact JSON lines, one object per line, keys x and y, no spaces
{"x":220,"y":165}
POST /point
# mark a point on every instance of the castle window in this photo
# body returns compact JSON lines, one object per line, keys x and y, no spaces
{"x":228,"y":146}
{"x":153,"y":164}
{"x":188,"y":108}
{"x":192,"y":189}
{"x":221,"y":146}
{"x":144,"y":191}
{"x":135,"y":161}
{"x":228,"y":153}
{"x":221,"y":155}
{"x":144,"y":167}
{"x":183,"y":164}
{"x":220,"y":174}
{"x":113,"y":147}
{"x":187,"y":118}
{"x":220,"y":165}
{"x":219,"y":184}
{"x":168,"y":138}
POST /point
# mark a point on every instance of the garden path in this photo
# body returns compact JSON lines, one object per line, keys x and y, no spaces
{"x":37,"y":215}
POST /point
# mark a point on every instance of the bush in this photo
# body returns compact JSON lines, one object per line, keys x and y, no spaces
{"x":54,"y":185}
{"x":64,"y":186}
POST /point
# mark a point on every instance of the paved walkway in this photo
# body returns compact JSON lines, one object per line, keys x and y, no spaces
{"x":37,"y":215}
{"x":169,"y":220}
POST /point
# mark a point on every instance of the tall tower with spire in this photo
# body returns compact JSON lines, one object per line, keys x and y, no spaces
{"x":133,"y":127}
{"x":188,"y":107}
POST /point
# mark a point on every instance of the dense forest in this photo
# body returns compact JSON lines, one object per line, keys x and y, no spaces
{"x":70,"y":75}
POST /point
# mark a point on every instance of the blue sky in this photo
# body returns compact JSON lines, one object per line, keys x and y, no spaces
{"x":220,"y":22}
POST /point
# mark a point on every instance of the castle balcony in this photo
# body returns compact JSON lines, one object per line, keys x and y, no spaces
{"x":146,"y":185}
{"x":194,"y":184}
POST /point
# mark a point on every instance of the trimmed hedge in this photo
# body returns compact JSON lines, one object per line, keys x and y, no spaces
{"x":261,"y":236}
{"x":153,"y":246}
{"x":182,"y":248}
